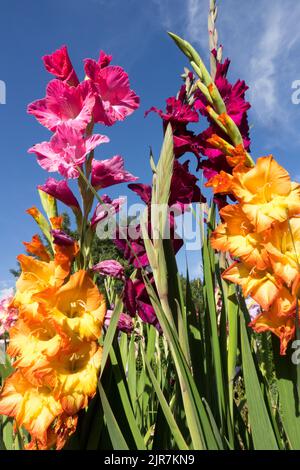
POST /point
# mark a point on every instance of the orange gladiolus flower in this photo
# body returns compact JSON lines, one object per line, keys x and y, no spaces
{"x":56,"y":222}
{"x":266,"y":193}
{"x":262,"y":286}
{"x":234,"y":155}
{"x":279,"y":319}
{"x":221,"y":183}
{"x":237,"y":235}
{"x":78,"y":306}
{"x":55,"y":346}
{"x":36,"y":247}
{"x":284,"y":249}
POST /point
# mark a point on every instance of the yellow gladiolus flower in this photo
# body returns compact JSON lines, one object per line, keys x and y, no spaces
{"x":78,"y":305}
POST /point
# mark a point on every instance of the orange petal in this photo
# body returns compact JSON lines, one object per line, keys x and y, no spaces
{"x":36,"y":247}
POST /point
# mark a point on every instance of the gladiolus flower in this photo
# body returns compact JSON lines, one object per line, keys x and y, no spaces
{"x":64,"y":104}
{"x":104,"y":59}
{"x":59,"y":64}
{"x":60,"y":190}
{"x":176,"y":112}
{"x":76,"y":305}
{"x":108,"y":208}
{"x":266,"y":192}
{"x":109,"y":268}
{"x":137,"y":301}
{"x":238,"y":236}
{"x":236,"y":107}
{"x":280,"y":319}
{"x":56,"y":351}
{"x":125,"y":322}
{"x":115,"y":100}
{"x":283,"y":248}
{"x":220,"y":182}
{"x":262,"y":286}
{"x":61,"y":238}
{"x":66,"y":150}
{"x":8,"y":314}
{"x":36,"y":247}
{"x":34,"y":408}
{"x":110,"y":172}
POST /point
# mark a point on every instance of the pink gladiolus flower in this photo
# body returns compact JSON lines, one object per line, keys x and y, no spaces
{"x":59,"y":64}
{"x":115,"y":100}
{"x":125,"y":322}
{"x":109,"y":172}
{"x":61,"y":191}
{"x":109,"y":268}
{"x":8,"y":314}
{"x":67,"y":149}
{"x":63,"y":103}
{"x":108,"y":208}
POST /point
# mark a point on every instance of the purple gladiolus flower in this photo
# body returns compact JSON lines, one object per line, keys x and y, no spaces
{"x":109,"y":268}
{"x":61,"y":238}
{"x":125,"y":322}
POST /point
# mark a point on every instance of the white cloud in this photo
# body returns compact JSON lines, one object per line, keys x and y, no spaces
{"x":263,"y":66}
{"x":196,"y":24}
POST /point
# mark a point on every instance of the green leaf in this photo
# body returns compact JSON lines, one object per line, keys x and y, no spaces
{"x":110,"y":334}
{"x":261,"y":426}
{"x":166,"y":409}
{"x":115,"y":434}
{"x":289,"y":409}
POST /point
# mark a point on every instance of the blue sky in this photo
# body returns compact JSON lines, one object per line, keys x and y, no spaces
{"x":262,"y":39}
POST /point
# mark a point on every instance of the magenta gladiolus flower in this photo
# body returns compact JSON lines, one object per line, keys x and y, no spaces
{"x":115,"y":100}
{"x":136,"y":252}
{"x":59,"y":64}
{"x":108,"y":208}
{"x":137,"y":301}
{"x":60,"y":190}
{"x":63,"y":103}
{"x":110,"y":172}
{"x":180,"y":113}
{"x":236,"y":106}
{"x":67,"y":149}
{"x":109,"y":268}
{"x":8,"y":314}
{"x":176,"y":112}
{"x":184,"y":189}
{"x":104,"y":59}
{"x":125,"y":322}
